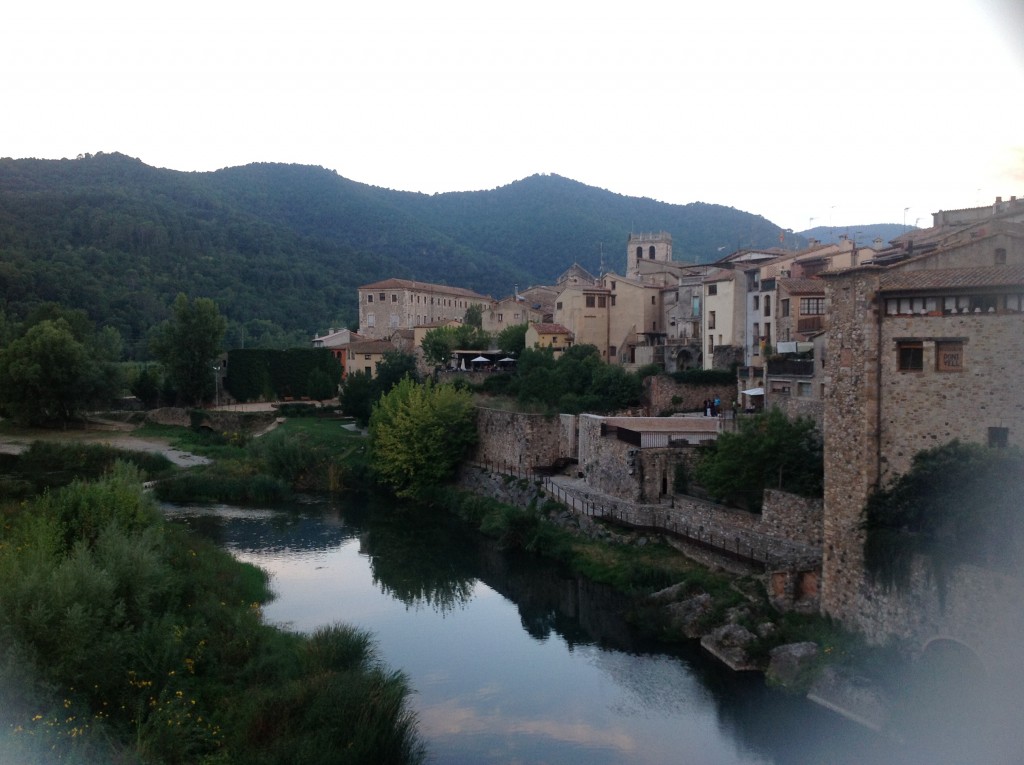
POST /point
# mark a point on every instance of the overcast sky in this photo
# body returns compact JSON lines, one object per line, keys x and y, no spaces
{"x":806,"y":112}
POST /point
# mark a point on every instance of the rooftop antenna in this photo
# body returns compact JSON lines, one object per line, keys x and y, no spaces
{"x":601,"y":249}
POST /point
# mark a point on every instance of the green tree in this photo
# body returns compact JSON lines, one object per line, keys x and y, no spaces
{"x":512,"y":340}
{"x":768,"y":451}
{"x":474,"y":316}
{"x":187,"y":344}
{"x":394,"y":367}
{"x":48,"y":375}
{"x":146,"y":387}
{"x":358,"y":395}
{"x":419,"y":434}
{"x":438,"y":344}
{"x":958,"y":503}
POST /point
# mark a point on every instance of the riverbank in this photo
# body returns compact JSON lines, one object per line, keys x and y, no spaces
{"x":123,"y":639}
{"x":723,"y":608}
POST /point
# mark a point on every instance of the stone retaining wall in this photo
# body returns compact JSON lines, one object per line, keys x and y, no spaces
{"x":663,"y":394}
{"x":221,"y":422}
{"x":522,"y":441}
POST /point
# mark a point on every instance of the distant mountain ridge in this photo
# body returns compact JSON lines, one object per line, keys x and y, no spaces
{"x":864,"y":236}
{"x":284,"y":247}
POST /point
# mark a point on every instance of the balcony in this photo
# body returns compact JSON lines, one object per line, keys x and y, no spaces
{"x":792,"y":367}
{"x":810,"y":324}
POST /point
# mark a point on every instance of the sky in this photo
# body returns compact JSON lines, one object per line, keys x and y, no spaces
{"x":807,"y":112}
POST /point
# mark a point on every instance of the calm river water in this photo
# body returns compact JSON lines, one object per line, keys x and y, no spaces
{"x":513,"y":660}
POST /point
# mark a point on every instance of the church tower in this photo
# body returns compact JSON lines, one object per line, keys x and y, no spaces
{"x":647,"y":248}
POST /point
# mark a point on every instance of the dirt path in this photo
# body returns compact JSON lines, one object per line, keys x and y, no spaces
{"x":118,"y":435}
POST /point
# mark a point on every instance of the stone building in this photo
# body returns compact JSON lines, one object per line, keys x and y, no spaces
{"x":647,"y":248}
{"x":921,"y":349}
{"x":365,"y":355}
{"x":553,"y":336}
{"x":395,"y":304}
{"x":510,"y":312}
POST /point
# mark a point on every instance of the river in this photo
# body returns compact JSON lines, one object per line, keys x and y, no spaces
{"x":512,"y":659}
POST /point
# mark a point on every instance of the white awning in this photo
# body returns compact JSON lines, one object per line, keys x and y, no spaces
{"x":754,"y":392}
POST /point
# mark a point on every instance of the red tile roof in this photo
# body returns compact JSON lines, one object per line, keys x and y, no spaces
{"x":551,"y":329}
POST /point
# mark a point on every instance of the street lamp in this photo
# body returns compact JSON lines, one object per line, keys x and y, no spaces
{"x":216,"y":385}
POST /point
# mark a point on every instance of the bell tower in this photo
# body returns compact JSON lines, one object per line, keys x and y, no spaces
{"x":647,"y":248}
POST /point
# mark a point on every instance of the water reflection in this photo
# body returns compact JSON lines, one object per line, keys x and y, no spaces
{"x":421,"y":562}
{"x":515,"y":660}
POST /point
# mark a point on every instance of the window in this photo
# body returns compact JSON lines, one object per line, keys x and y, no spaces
{"x":639,"y":253}
{"x":767,"y":306}
{"x":367,"y":356}
{"x":949,"y":357}
{"x":910,"y":356}
{"x":501,"y":317}
{"x":371,"y":320}
{"x":652,"y":300}
{"x":757,"y":339}
{"x":711,"y":319}
{"x":757,"y":302}
{"x":998,"y":438}
{"x":369,"y":298}
{"x":650,"y":252}
{"x":711,"y":343}
{"x":602,"y":301}
{"x":785,"y":307}
{"x":611,"y":350}
{"x":382,"y":298}
{"x":1000,"y":256}
{"x":613,"y":285}
{"x":812,"y":306}
{"x":803,"y":389}
{"x":590,"y":301}
{"x":558,"y":306}
{"x":613,"y":301}
{"x":394,"y":298}
{"x":712,"y":289}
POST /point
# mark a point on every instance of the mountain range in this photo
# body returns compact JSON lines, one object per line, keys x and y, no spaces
{"x":282,"y":248}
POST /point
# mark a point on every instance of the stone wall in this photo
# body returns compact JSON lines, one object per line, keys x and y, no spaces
{"x":660,"y":390}
{"x":794,"y":406}
{"x":877,"y":417}
{"x":789,"y":516}
{"x":221,"y":422}
{"x":604,"y":461}
{"x":851,"y":445}
{"x":928,"y":408}
{"x":521,"y":441}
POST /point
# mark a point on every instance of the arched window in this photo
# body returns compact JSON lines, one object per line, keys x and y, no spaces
{"x":650,"y":252}
{"x":639,"y":253}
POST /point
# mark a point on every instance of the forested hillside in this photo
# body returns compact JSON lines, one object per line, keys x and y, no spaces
{"x":282,"y":248}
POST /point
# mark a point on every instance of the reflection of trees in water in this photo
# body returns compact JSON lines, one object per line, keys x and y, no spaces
{"x":301,"y":527}
{"x":420,"y":560}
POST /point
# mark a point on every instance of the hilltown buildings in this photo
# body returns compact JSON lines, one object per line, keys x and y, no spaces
{"x":892,"y":350}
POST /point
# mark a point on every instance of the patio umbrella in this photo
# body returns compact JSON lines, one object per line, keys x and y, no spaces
{"x":480,"y":359}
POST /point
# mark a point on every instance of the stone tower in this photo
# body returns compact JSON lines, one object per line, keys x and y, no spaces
{"x":647,"y":248}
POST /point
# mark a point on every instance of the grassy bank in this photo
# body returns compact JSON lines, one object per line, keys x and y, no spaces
{"x":303,"y":454}
{"x":125,"y":639}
